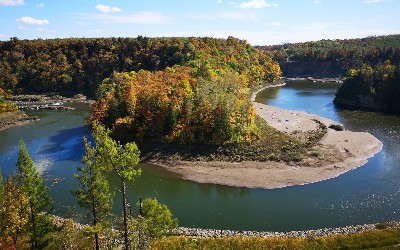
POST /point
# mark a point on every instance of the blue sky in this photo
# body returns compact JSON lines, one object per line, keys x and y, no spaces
{"x":260,"y":22}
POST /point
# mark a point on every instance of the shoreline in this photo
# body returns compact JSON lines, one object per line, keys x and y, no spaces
{"x":15,"y":118}
{"x":345,"y":230}
{"x":336,"y":153}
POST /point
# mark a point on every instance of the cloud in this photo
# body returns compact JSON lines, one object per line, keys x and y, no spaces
{"x":95,"y":31}
{"x":219,"y":1}
{"x":275,"y":24}
{"x":45,"y":30}
{"x":40,"y":5}
{"x":317,"y":1}
{"x":30,"y":20}
{"x":240,"y":16}
{"x":11,"y":2}
{"x":107,"y":9}
{"x":257,"y":4}
{"x":373,"y":1}
{"x":138,"y":18}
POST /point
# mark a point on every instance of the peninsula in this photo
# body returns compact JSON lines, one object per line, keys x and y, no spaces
{"x":336,"y":153}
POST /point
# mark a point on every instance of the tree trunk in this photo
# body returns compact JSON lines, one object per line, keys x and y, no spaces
{"x":33,"y":239}
{"x":96,"y":235}
{"x":126,"y":241}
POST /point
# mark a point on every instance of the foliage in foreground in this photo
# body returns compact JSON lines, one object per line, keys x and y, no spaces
{"x":384,"y":239}
{"x":24,"y":206}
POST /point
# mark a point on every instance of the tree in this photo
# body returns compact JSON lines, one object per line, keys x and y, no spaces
{"x":122,"y":159}
{"x":1,"y":186}
{"x":39,"y":202}
{"x":13,"y":216}
{"x":94,"y":192}
{"x":154,"y":221}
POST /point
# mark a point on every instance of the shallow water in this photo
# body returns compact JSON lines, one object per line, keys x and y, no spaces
{"x":365,"y":195}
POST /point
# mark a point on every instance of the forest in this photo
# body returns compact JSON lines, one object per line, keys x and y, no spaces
{"x":375,"y":88}
{"x":78,"y":65}
{"x":334,"y":58}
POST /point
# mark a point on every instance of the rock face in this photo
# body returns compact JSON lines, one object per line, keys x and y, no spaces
{"x":361,"y":101}
{"x":317,"y":69}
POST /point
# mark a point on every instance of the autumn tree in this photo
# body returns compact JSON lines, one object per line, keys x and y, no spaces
{"x":94,"y":192}
{"x":31,"y":184}
{"x":13,"y":212}
{"x":122,"y":160}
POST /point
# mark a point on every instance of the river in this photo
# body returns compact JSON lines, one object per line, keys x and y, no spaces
{"x":365,"y":195}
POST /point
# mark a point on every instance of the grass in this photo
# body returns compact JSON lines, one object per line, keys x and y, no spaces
{"x":272,"y":145}
{"x":376,"y":239}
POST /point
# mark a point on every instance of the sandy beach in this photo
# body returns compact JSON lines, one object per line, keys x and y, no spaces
{"x":337,"y":152}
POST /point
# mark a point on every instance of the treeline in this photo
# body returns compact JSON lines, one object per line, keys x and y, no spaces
{"x":376,"y":88}
{"x":334,"y":58}
{"x":78,"y":65}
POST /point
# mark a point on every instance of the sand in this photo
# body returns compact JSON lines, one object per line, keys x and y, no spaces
{"x":335,"y":154}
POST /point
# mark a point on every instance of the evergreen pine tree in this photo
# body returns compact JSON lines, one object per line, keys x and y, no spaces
{"x":40,"y":204}
{"x":94,"y":192}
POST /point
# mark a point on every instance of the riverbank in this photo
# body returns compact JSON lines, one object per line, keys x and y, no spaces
{"x":216,"y":233}
{"x":336,"y":153}
{"x":15,"y":118}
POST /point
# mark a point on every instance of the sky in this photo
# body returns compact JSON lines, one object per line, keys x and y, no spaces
{"x":260,"y":22}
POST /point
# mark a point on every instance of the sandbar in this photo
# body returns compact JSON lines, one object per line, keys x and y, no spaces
{"x":336,"y":153}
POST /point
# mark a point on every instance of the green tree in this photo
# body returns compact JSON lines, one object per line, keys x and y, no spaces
{"x":94,"y":192}
{"x":154,"y":221}
{"x":122,"y":159}
{"x":1,"y":186}
{"x":39,"y":202}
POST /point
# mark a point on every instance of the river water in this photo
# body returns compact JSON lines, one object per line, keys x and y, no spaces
{"x":365,"y":195}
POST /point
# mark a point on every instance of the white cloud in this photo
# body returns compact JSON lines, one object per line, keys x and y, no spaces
{"x":45,"y":30}
{"x":30,"y":20}
{"x":373,"y":1}
{"x":257,"y":4}
{"x":240,"y":16}
{"x":11,"y":2}
{"x":20,"y":27}
{"x":317,"y":1}
{"x":138,"y":18}
{"x":107,"y":9}
{"x":40,"y":5}
{"x":275,"y":24}
{"x":219,"y":1}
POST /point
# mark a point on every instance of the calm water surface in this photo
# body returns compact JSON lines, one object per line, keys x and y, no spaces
{"x":367,"y":194}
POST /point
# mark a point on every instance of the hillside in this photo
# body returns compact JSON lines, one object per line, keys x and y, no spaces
{"x":334,"y":58}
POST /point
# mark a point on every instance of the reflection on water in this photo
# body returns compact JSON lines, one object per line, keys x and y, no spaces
{"x":367,"y":194}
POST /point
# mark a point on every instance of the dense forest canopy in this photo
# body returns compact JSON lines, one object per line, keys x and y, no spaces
{"x":78,"y":65}
{"x":174,"y":106}
{"x":369,"y":87}
{"x":334,"y":58}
